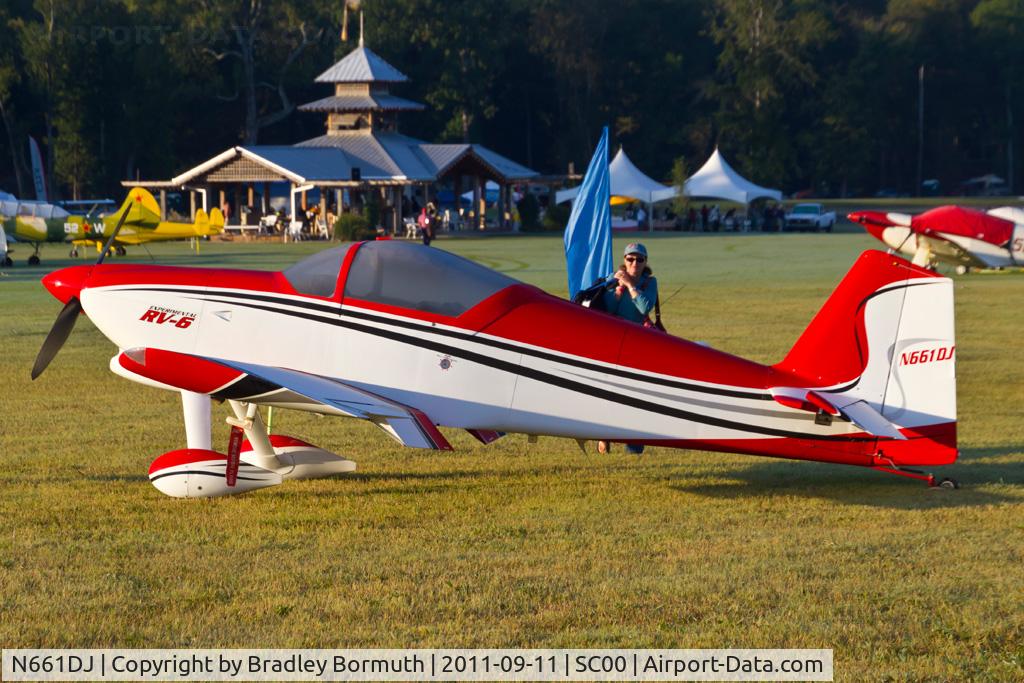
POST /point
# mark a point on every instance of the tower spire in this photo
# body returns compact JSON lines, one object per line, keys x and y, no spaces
{"x":360,"y":28}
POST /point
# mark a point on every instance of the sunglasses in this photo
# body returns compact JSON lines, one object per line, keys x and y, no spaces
{"x":638,"y":259}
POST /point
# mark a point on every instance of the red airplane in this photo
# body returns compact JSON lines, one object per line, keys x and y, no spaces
{"x":412,"y":338}
{"x":966,"y":238}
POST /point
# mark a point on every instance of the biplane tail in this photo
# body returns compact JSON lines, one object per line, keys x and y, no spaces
{"x":883,"y":348}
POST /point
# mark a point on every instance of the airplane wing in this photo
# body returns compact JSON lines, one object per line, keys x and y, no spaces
{"x":951,"y":247}
{"x":274,"y":386}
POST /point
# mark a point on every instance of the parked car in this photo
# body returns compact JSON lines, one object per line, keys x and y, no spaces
{"x":988,"y":185}
{"x":814,"y":217}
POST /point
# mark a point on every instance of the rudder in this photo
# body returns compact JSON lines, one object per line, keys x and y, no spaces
{"x":886,"y":337}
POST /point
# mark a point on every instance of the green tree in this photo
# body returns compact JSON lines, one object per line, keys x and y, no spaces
{"x":680,"y":203}
{"x":256,"y":45}
{"x":1000,"y":27}
{"x":766,"y":61}
{"x":453,"y":51}
{"x":9,"y":80}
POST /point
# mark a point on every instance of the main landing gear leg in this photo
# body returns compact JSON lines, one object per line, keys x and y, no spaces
{"x":196,"y":408}
{"x":926,"y":477}
{"x":247,"y":416}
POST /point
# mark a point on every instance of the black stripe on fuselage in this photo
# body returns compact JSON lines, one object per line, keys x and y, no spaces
{"x":336,"y":309}
{"x":531,"y":373}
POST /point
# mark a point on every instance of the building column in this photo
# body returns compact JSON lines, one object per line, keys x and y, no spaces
{"x":502,"y":206}
{"x":323,"y":206}
{"x":458,"y":198}
{"x":163,"y":205}
{"x":240,"y":217}
{"x":192,"y":206}
{"x":265,"y":199}
{"x":339,"y":200}
{"x":478,"y":218}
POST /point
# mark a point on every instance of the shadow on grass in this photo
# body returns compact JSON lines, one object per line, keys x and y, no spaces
{"x":108,"y":477}
{"x":861,"y":486}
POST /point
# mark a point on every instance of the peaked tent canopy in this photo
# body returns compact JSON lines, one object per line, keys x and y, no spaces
{"x":626,"y":181}
{"x":716,"y":178}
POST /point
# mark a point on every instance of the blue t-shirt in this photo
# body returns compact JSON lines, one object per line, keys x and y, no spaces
{"x":633,"y":309}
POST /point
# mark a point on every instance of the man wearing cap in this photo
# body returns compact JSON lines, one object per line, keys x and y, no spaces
{"x":637,"y":289}
{"x":632,"y":298}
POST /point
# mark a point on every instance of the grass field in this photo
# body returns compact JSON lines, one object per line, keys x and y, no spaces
{"x":516,"y":544}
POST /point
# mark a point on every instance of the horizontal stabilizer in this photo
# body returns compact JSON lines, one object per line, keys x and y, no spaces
{"x":870,"y":420}
{"x":846,"y":406}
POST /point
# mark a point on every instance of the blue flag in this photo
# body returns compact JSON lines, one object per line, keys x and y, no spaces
{"x":588,"y":236}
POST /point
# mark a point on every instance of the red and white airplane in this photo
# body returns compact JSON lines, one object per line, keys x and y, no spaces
{"x":966,"y":238}
{"x":412,"y":338}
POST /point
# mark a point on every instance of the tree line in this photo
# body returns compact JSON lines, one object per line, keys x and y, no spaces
{"x":806,"y":94}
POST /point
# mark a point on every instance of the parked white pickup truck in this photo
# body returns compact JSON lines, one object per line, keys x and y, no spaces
{"x":810,"y":217}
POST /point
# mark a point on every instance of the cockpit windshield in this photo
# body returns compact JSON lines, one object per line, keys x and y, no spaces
{"x":420,"y":278}
{"x":318,"y":274}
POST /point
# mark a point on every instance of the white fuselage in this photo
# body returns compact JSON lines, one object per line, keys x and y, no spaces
{"x":458,"y":378}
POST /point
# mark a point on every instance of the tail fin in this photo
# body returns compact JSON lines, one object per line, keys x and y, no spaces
{"x":216,"y":221}
{"x":209,"y":225}
{"x":885,"y":338}
{"x":142,"y":208}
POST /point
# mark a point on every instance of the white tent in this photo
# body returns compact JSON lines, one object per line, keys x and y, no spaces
{"x":626,"y":181}
{"x":716,"y":178}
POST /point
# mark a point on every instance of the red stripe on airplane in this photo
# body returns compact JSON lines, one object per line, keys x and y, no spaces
{"x":180,"y":370}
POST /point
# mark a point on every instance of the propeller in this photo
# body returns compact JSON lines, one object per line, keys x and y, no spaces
{"x":58,"y":335}
{"x":68,"y":315}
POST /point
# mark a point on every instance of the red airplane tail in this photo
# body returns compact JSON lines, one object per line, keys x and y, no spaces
{"x":884,"y":344}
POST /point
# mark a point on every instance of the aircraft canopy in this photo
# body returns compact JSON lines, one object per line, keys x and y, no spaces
{"x":26,"y":208}
{"x":400,"y":274}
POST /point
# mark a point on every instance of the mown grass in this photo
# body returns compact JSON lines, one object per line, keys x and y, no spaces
{"x":516,"y":544}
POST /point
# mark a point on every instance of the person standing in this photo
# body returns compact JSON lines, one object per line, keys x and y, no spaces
{"x":426,"y":223}
{"x":633,"y":297}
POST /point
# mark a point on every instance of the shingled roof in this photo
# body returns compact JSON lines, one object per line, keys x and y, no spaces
{"x":362,"y":65}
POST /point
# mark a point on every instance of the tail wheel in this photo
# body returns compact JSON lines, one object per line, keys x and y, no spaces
{"x":33,"y":260}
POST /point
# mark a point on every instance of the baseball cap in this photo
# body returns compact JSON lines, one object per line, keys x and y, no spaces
{"x":635,"y":248}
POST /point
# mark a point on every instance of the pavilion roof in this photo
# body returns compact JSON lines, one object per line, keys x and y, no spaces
{"x":362,"y":65}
